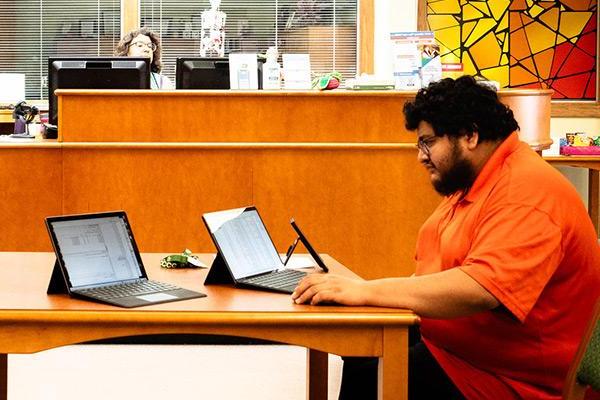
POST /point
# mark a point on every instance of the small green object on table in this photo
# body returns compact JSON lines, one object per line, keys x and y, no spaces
{"x":327,"y":81}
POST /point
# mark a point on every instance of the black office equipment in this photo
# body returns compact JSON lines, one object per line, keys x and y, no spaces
{"x":308,"y":247}
{"x":97,"y":259}
{"x":206,"y":73}
{"x":246,"y":255}
{"x":94,"y":73}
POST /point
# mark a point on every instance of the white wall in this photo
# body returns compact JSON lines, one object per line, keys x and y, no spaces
{"x":391,"y":16}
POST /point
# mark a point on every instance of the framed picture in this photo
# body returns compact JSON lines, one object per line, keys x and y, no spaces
{"x":551,"y":45}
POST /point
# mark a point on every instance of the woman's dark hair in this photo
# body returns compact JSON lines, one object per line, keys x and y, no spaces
{"x":123,"y":46}
{"x":461,"y":107}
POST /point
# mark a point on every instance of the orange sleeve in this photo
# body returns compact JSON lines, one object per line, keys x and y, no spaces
{"x":515,"y":251}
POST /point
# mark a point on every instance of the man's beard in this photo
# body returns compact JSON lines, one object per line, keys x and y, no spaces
{"x":458,"y":177}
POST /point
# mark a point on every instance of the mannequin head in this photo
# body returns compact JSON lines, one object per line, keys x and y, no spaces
{"x":215,"y":4}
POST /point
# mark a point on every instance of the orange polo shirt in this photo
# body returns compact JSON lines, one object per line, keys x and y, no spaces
{"x":523,"y":233}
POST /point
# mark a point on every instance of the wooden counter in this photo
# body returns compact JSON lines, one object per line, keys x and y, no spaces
{"x":341,"y":163}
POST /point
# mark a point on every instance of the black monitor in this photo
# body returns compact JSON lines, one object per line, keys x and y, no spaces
{"x":94,"y":73}
{"x":206,"y":73}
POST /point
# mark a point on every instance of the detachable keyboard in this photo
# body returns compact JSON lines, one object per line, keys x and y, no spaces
{"x":284,"y":281}
{"x":127,"y":289}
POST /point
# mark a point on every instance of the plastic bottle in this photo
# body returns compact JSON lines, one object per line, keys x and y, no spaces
{"x":271,"y":71}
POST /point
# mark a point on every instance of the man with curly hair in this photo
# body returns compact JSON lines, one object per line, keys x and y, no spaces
{"x":507,"y":266}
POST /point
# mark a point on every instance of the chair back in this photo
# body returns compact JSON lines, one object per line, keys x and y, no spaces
{"x":585,"y":368}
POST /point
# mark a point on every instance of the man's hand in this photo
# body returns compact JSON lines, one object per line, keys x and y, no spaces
{"x":329,"y":288}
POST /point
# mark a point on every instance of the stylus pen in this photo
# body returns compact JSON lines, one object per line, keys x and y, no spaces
{"x":290,"y":251}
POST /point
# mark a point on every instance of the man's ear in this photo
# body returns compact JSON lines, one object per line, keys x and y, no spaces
{"x":471,"y":140}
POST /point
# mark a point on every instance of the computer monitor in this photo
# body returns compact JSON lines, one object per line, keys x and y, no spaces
{"x":206,"y":73}
{"x":94,"y":73}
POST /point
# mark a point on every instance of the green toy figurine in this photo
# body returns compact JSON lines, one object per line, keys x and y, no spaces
{"x":327,"y":81}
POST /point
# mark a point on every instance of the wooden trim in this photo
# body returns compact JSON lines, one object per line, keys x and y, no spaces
{"x":366,"y":62}
{"x":130,"y":16}
{"x":560,"y":109}
{"x":422,"y":15}
{"x":563,"y":109}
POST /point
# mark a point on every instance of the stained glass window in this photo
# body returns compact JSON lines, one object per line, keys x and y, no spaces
{"x":521,"y":43}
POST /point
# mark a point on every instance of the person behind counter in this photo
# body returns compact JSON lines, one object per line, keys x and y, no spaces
{"x":145,"y":43}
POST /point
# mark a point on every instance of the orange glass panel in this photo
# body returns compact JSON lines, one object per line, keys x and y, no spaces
{"x":543,"y":61}
{"x":487,"y":51}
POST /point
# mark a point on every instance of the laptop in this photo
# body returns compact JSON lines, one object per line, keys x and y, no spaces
{"x":99,"y":260}
{"x":247,"y":251}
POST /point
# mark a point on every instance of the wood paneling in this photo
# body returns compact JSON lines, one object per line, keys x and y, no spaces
{"x":364,"y":207}
{"x":31,"y":190}
{"x":224,"y":116}
{"x":164,"y":192}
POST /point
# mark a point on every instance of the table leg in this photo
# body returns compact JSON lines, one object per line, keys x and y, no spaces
{"x":393,"y":366}
{"x":594,"y":197}
{"x":316,"y":375}
{"x":3,"y":376}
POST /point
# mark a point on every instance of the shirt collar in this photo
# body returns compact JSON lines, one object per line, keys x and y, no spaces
{"x":492,"y":165}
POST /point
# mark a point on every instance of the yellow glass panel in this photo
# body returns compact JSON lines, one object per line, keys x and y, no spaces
{"x":543,"y":61}
{"x":550,"y":17}
{"x":487,"y":51}
{"x":438,"y":22}
{"x":449,"y":38}
{"x":468,"y":66}
{"x":572,"y":23}
{"x":535,"y":11}
{"x":498,"y":74}
{"x":504,"y":59}
{"x":450,"y":58}
{"x":484,"y":25}
{"x":498,"y":7}
{"x":503,"y":24}
{"x":539,"y":37}
{"x":529,"y":3}
{"x":505,"y":46}
{"x":501,"y":37}
{"x":467,"y":28}
{"x":444,"y":6}
{"x":470,"y":13}
{"x":481,"y":6}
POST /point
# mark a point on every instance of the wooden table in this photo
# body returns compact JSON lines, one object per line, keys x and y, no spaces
{"x":31,"y":321}
{"x":592,"y":163}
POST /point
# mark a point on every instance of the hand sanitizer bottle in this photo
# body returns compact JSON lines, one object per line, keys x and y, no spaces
{"x":272,"y":71}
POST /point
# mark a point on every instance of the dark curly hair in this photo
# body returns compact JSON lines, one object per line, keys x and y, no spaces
{"x":460,"y":107}
{"x":123,"y":46}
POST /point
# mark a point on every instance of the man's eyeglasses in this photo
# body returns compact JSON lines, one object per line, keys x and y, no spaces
{"x":424,"y":144}
{"x":141,"y":45}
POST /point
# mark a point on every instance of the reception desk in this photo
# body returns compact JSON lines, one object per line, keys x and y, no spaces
{"x":341,"y":163}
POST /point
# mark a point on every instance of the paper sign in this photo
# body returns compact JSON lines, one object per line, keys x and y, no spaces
{"x":296,"y":71}
{"x":243,"y":71}
{"x":12,"y":87}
